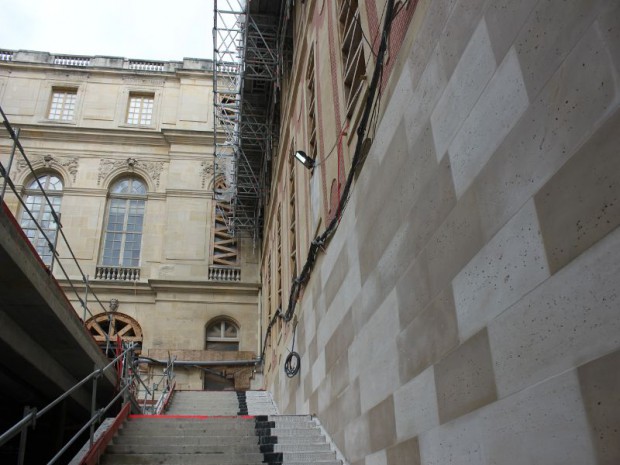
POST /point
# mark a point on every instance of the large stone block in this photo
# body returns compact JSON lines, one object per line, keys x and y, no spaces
{"x":545,"y":424}
{"x":571,"y":104}
{"x":343,"y":410}
{"x":415,"y":404}
{"x":548,"y":35}
{"x":433,"y":201}
{"x":470,"y":77}
{"x":600,"y":387}
{"x":391,"y":182}
{"x":505,"y":269}
{"x":580,"y":204}
{"x":566,"y":321}
{"x":340,"y":340}
{"x":497,"y":110}
{"x":464,"y":18}
{"x":608,"y":26}
{"x":382,"y":426}
{"x":357,"y":439}
{"x":435,"y":14}
{"x":376,"y":338}
{"x":455,"y":242}
{"x":413,"y":292}
{"x":379,"y":379}
{"x":404,"y":453}
{"x":504,"y":19}
{"x":428,"y":337}
{"x":464,"y":379}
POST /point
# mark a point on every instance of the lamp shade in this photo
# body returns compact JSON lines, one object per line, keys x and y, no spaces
{"x":305,"y":159}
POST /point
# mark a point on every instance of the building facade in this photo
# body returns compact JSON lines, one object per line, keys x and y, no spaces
{"x":465,"y":310}
{"x":463,"y":307}
{"x":124,"y":150}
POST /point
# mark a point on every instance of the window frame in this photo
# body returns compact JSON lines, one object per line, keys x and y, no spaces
{"x":126,"y":198}
{"x":42,"y":209}
{"x":222,"y":340}
{"x":62,"y":90}
{"x":141,"y":95}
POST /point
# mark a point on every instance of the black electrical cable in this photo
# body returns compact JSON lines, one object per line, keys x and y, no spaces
{"x":293,"y":361}
{"x":319,"y":241}
{"x":292,"y":364}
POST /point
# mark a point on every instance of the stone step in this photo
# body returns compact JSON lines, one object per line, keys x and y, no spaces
{"x":290,"y":417}
{"x":308,"y":457}
{"x":281,"y":433}
{"x":299,"y":440}
{"x":321,"y":462}
{"x":186,"y":440}
{"x":189,"y":420}
{"x":307,"y":448}
{"x":209,"y":431}
{"x":182,"y":459}
{"x":182,"y":449}
{"x":301,"y":423}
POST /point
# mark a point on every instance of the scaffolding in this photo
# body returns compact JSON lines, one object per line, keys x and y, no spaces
{"x":247,"y":64}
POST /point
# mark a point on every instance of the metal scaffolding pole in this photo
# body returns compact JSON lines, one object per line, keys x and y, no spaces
{"x":246,"y":66}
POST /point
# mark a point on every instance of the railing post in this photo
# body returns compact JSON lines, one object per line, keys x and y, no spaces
{"x":54,"y":252}
{"x":28,"y":412}
{"x":8,"y":168}
{"x":93,"y":406}
{"x":85,"y":303}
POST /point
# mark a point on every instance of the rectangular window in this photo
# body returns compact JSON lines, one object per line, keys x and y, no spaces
{"x":140,"y":109}
{"x":62,"y":106}
{"x":352,"y":53}
{"x":311,"y":102}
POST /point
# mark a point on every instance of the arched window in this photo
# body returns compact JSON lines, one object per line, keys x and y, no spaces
{"x":222,"y":335}
{"x":41,"y":211}
{"x":124,"y":223}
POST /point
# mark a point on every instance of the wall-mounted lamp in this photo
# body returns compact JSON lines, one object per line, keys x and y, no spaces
{"x":305,"y":159}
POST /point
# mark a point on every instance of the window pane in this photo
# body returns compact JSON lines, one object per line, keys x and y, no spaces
{"x":62,"y":104}
{"x":124,"y":223}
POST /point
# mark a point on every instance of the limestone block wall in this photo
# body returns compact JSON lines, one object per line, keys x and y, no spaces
{"x":174,"y":299}
{"x":467,"y":309}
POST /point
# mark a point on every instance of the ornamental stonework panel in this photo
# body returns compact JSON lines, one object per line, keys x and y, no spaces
{"x":152,"y":168}
{"x":68,"y":164}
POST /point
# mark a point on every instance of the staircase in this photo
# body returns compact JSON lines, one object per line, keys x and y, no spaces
{"x":221,"y":403}
{"x":204,"y":428}
{"x":177,"y":441}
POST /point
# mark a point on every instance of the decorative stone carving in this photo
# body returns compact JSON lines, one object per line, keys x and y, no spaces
{"x":70,"y":164}
{"x":152,"y":168}
{"x":206,"y":169}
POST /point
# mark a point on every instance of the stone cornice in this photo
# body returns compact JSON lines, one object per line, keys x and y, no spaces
{"x":189,"y":193}
{"x":82,"y":135}
{"x":160,"y":285}
{"x":180,"y":136}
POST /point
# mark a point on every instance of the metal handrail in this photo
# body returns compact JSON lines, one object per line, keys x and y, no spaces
{"x":129,"y":380}
{"x":5,"y":173}
{"x":33,"y":415}
{"x":168,"y":376}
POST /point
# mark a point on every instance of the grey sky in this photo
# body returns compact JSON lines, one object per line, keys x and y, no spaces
{"x":148,"y":29}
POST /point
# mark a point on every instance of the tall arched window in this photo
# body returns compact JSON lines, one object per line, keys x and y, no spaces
{"x":222,"y":335}
{"x":124,"y":223}
{"x":36,"y":203}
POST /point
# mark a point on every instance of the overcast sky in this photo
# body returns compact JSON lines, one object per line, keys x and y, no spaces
{"x":148,"y":29}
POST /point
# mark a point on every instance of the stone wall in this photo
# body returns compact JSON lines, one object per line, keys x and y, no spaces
{"x":467,"y":308}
